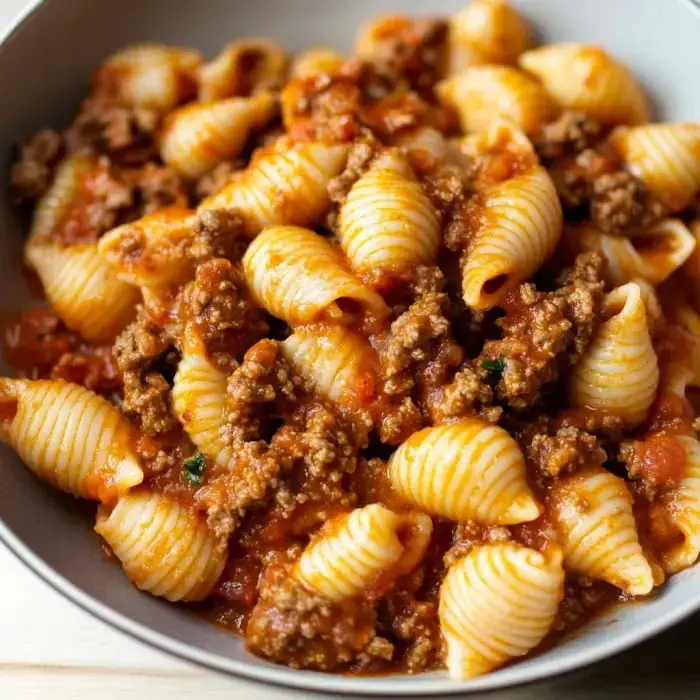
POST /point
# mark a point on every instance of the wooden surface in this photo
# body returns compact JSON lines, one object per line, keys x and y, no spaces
{"x":50,"y":649}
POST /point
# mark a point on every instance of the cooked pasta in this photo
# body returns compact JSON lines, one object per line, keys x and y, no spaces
{"x":388,"y":360}
{"x":199,"y":136}
{"x":487,"y":31}
{"x":592,"y":511}
{"x":619,"y":373}
{"x":149,"y":75}
{"x":665,"y":157}
{"x":289,"y":186}
{"x":164,"y":547}
{"x":387,"y":224}
{"x":496,"y":604}
{"x":517,"y":226}
{"x":465,"y":471}
{"x":338,"y":363}
{"x":296,"y":275}
{"x":243,"y":68}
{"x":69,"y":436}
{"x":483,"y":93}
{"x":652,"y":254}
{"x":586,"y":77}
{"x":363,"y":552}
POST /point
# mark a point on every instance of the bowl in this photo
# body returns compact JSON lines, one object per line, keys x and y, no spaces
{"x":44,"y":65}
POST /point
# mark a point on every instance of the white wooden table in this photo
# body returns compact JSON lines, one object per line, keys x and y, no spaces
{"x":51,"y":650}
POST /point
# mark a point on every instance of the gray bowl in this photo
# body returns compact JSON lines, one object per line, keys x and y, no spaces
{"x":44,"y":65}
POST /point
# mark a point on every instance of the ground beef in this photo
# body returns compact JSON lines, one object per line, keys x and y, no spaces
{"x":360,"y":157}
{"x":156,"y":187}
{"x":469,"y":534}
{"x":126,"y":134}
{"x":544,"y":333}
{"x":226,"y":319}
{"x":620,"y":203}
{"x":93,"y":368}
{"x":565,"y":451}
{"x":218,"y":233}
{"x":398,"y":420}
{"x":215,"y":180}
{"x":293,"y":626}
{"x":144,"y":355}
{"x":33,"y":172}
{"x":568,"y":135}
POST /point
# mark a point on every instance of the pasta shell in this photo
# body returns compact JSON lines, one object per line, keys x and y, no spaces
{"x":483,"y":93}
{"x":471,"y":470}
{"x":387,"y":224}
{"x":518,"y":224}
{"x":585,"y":77}
{"x":151,"y":252}
{"x":148,"y":75}
{"x":619,"y":372}
{"x":487,"y":31}
{"x":338,"y":363}
{"x":592,"y":511}
{"x":69,"y":436}
{"x":683,"y":506}
{"x":287,"y":187}
{"x":665,"y":157}
{"x":652,"y":255}
{"x":496,"y":604}
{"x":363,"y":552}
{"x":83,"y":290}
{"x":199,"y":136}
{"x":165,"y":547}
{"x":243,"y":68}
{"x":296,"y":275}
{"x":317,"y":61}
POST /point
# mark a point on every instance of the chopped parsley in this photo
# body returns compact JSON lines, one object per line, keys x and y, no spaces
{"x":494,"y":365}
{"x":194,"y":468}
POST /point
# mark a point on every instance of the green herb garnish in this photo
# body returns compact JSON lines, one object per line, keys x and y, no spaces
{"x":495,"y":365}
{"x":194,"y":468}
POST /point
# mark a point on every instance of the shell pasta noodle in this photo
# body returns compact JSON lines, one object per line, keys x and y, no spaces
{"x":165,"y":548}
{"x":287,"y":186}
{"x":387,"y":224}
{"x":586,"y":77}
{"x":297,"y":276}
{"x":69,"y":436}
{"x":466,"y":471}
{"x":363,"y":552}
{"x":593,"y":511}
{"x":387,"y":360}
{"x":498,"y":603}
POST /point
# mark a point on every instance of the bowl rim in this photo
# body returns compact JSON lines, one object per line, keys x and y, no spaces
{"x":387,"y":686}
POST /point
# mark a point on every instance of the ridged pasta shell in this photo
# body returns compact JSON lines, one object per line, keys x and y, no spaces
{"x":199,"y":136}
{"x":683,"y":505}
{"x":487,"y":31}
{"x":151,"y":252}
{"x":387,"y":224}
{"x":148,"y":75}
{"x":665,"y":157}
{"x":483,"y":93}
{"x":585,"y":77}
{"x":69,"y":436}
{"x":199,"y":397}
{"x":592,"y":511}
{"x":287,"y":187}
{"x":317,"y":61}
{"x":496,"y":604}
{"x":83,"y":290}
{"x":242,"y":68}
{"x":652,"y":255}
{"x":363,"y":552}
{"x":296,"y":275}
{"x":619,"y":372}
{"x":518,"y":225}
{"x":340,"y":364}
{"x":471,"y":470}
{"x":165,"y":547}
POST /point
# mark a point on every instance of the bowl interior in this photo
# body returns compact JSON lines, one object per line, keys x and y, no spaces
{"x":44,"y":66}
